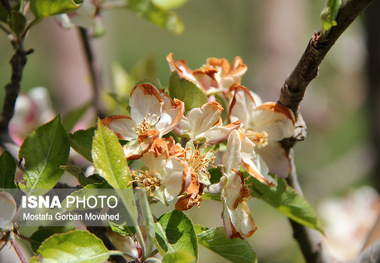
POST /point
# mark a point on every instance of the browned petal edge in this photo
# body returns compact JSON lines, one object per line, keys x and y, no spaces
{"x":107,"y":121}
{"x":174,"y":65}
{"x":236,"y":234}
{"x":149,"y":89}
{"x":238,"y":67}
{"x":255,"y":174}
{"x":276,"y":107}
{"x":244,"y":192}
{"x":220,"y":62}
{"x":232,"y":125}
{"x":181,"y":108}
{"x":235,"y":88}
{"x":218,"y":108}
{"x":206,"y":70}
{"x":159,"y":147}
{"x":194,"y":192}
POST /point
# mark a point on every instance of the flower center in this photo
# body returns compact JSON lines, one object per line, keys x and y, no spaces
{"x":199,"y":161}
{"x":258,"y":138}
{"x":147,"y":180}
{"x":147,"y":123}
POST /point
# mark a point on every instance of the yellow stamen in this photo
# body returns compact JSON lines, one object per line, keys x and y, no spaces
{"x":147,"y":180}
{"x":258,"y":138}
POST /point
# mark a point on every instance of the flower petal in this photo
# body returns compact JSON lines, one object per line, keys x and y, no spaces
{"x":275,"y":157}
{"x":174,"y":178}
{"x":170,"y":117}
{"x":232,"y":158}
{"x":181,"y":67}
{"x":218,"y":133}
{"x":122,"y":125}
{"x":241,"y":107}
{"x":275,"y":119}
{"x":145,"y":101}
{"x":238,"y":222}
{"x":203,"y":118}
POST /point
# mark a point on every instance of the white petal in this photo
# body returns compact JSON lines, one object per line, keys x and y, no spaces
{"x":145,"y":100}
{"x":170,"y":118}
{"x":276,"y":120}
{"x":242,"y":105}
{"x":218,"y":133}
{"x":203,"y":118}
{"x":275,"y":157}
{"x":232,"y":157}
{"x":153,"y":163}
{"x":122,"y":126}
{"x":172,"y":178}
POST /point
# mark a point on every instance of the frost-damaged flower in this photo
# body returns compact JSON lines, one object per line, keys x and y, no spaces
{"x":204,"y":124}
{"x":217,"y":76}
{"x":152,"y":116}
{"x":198,"y":159}
{"x":237,"y":218}
{"x":262,"y":129}
{"x":165,"y":176}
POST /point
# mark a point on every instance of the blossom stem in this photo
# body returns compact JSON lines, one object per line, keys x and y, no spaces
{"x":16,"y":248}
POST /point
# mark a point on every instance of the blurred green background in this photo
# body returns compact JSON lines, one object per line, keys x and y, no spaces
{"x":270,"y":36}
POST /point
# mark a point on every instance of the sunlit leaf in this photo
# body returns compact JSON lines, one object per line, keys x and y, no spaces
{"x":157,"y":15}
{"x":44,"y":151}
{"x":179,"y":231}
{"x":235,"y":250}
{"x":81,"y":142}
{"x":111,"y":164}
{"x":43,"y":233}
{"x":181,"y":256}
{"x":329,"y":13}
{"x":45,"y":8}
{"x":75,"y":246}
{"x":161,"y":241}
{"x":8,"y":168}
{"x":286,"y":200}
{"x":188,"y":92}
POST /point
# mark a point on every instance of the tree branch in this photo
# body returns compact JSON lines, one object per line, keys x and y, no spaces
{"x":12,"y":89}
{"x":94,"y":71}
{"x":306,"y":70}
{"x":292,"y":93}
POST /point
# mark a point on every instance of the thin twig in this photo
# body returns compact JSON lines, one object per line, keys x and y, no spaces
{"x":94,"y":71}
{"x":292,"y":93}
{"x":12,"y":89}
{"x":17,"y":249}
{"x":5,"y":30}
{"x":306,"y":70}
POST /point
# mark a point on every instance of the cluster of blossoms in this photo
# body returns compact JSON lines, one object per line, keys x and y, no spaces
{"x":177,"y":148}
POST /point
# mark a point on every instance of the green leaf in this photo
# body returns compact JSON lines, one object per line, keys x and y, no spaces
{"x":81,"y":142}
{"x":235,"y":250}
{"x":17,"y":22}
{"x":110,"y":162}
{"x":286,"y":200}
{"x":75,"y":246}
{"x":329,"y":13}
{"x":161,"y":241}
{"x":179,"y":231}
{"x":157,"y":15}
{"x":45,"y":8}
{"x":169,"y":4}
{"x":44,"y":151}
{"x":188,"y":92}
{"x":181,"y":256}
{"x":72,"y":117}
{"x":8,"y":168}
{"x":43,"y":233}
